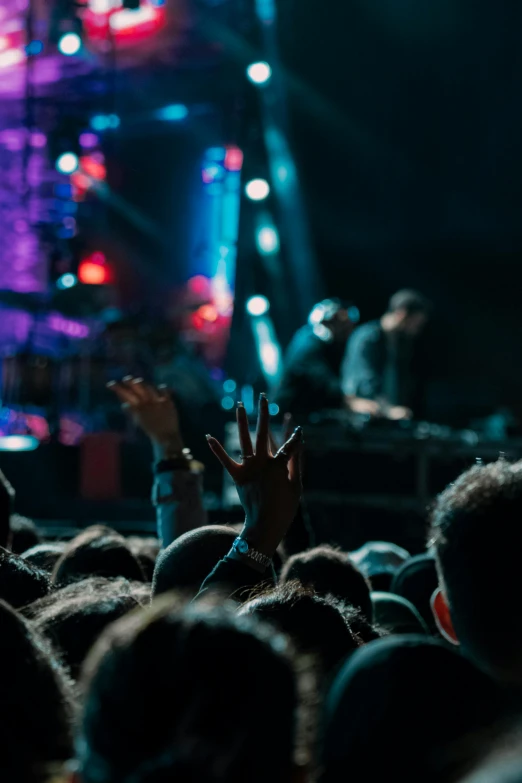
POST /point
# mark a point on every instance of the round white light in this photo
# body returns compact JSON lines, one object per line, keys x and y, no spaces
{"x":67,"y":163}
{"x":70,"y":44}
{"x":257,"y":305}
{"x":259,"y":73}
{"x":257,"y":189}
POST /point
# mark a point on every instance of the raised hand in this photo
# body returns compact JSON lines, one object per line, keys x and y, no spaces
{"x":154,"y":411}
{"x":268,"y":481}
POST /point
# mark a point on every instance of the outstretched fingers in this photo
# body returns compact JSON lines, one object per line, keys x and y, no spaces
{"x":245,"y":441}
{"x":262,"y":428}
{"x":290,"y":452}
{"x":219,"y":452}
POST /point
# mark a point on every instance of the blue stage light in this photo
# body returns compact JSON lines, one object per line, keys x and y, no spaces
{"x":34,"y":48}
{"x":18,"y":443}
{"x":267,"y":240}
{"x":227,"y":403}
{"x":99,"y":122}
{"x":67,"y":163}
{"x":173,"y":113}
{"x":70,"y":44}
{"x":68,"y":280}
{"x":229,"y":386}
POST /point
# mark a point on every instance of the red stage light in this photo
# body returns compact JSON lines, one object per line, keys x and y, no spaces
{"x":199,"y":285}
{"x":92,"y":167}
{"x":233,"y":159}
{"x":91,"y":273}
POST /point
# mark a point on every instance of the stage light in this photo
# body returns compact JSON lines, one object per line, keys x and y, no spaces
{"x":113,"y":121}
{"x":11,"y":57}
{"x":18,"y":443}
{"x":67,"y":163}
{"x":257,"y":189}
{"x":273,"y":409}
{"x":91,"y":273}
{"x":69,"y":44}
{"x":227,"y":403}
{"x":99,"y":122}
{"x":173,"y":113}
{"x":233,"y":159}
{"x":68,"y":280}
{"x":34,"y":48}
{"x":257,"y":306}
{"x":259,"y":73}
{"x":215,"y":154}
{"x":212,"y":173}
{"x":88,"y":140}
{"x":229,"y":386}
{"x":267,"y":240}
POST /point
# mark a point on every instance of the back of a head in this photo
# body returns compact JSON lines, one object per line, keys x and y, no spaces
{"x":44,"y":556}
{"x":37,"y":707}
{"x":146,"y":550}
{"x":187,"y":562}
{"x":79,"y":613}
{"x":396,"y":615}
{"x":416,"y":581}
{"x":95,"y":552}
{"x":20,"y":582}
{"x":410,"y":301}
{"x":216,"y":690}
{"x":24,"y":534}
{"x":409,"y":709}
{"x":317,"y":625}
{"x":477,"y":537}
{"x":330,"y":571}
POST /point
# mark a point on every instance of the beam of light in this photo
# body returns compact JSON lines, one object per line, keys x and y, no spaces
{"x":268,"y":350}
{"x":18,"y":443}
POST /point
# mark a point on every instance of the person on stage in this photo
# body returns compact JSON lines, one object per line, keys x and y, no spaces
{"x":379,"y":373}
{"x":312,"y":369}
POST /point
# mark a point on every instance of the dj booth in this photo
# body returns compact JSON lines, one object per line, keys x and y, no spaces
{"x":375,"y":481}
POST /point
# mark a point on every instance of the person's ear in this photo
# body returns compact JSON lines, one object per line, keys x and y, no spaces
{"x":442,"y":615}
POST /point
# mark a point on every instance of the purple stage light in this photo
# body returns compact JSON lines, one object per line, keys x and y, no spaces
{"x":88,"y":140}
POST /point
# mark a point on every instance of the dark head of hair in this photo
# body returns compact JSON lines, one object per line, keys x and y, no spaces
{"x":412,"y":302}
{"x":330,"y":571}
{"x":44,"y":556}
{"x":408,"y":708}
{"x":477,"y":535}
{"x":317,"y":625}
{"x":74,"y":617}
{"x":95,"y":552}
{"x":7,"y":496}
{"x":24,"y":534}
{"x":397,"y":615}
{"x":37,"y":706}
{"x":416,"y":581}
{"x":21,"y":583}
{"x":146,"y":549}
{"x":186,"y":563}
{"x":227,"y":693}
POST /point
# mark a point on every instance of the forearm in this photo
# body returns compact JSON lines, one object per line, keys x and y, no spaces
{"x":178,"y":498}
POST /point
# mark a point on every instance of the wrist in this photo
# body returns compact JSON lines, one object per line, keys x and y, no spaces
{"x":167,"y":448}
{"x":261,"y":539}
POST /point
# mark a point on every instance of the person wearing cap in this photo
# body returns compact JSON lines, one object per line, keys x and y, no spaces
{"x":380,"y":363}
{"x":312,"y":369}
